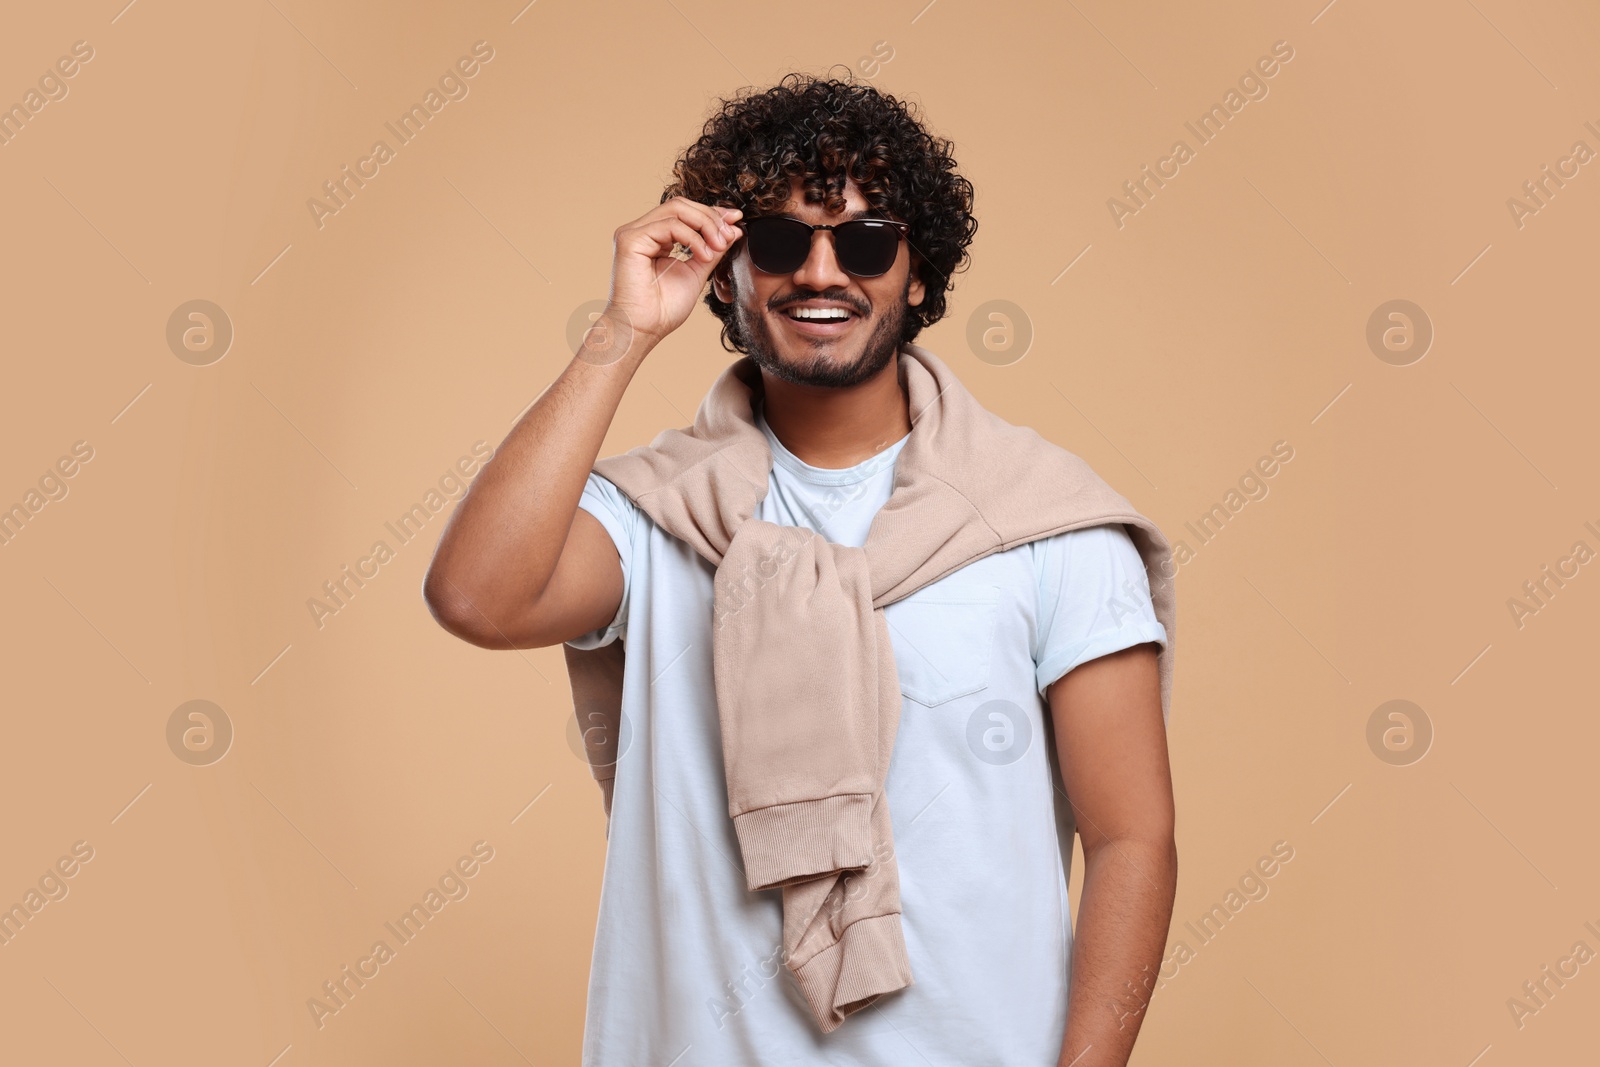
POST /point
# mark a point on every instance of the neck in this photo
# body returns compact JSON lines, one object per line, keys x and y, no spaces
{"x":835,"y":428}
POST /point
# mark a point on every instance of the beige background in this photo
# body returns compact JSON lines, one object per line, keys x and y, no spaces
{"x":371,"y":353}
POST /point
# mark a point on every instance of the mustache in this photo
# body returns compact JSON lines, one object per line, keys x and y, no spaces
{"x":800,"y":298}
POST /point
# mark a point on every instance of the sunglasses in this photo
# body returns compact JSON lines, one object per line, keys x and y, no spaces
{"x":866,"y":248}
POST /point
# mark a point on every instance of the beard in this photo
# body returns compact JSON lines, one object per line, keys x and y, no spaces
{"x":821,"y":364}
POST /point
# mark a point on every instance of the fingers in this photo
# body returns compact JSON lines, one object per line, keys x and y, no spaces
{"x":657,"y":239}
{"x":703,"y":229}
{"x":715,"y":223}
{"x":706,"y":248}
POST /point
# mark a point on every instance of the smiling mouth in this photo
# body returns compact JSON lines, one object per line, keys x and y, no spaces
{"x":819,"y":324}
{"x":818,"y":315}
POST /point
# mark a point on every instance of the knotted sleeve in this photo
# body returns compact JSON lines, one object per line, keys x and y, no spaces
{"x":796,"y":662}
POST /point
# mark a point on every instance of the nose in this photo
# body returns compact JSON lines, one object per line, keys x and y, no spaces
{"x":821,"y":270}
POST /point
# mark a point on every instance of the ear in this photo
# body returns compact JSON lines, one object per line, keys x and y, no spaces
{"x":915,"y":290}
{"x":719,"y":280}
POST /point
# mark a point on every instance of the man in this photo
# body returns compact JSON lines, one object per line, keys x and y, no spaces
{"x":1052,"y":644}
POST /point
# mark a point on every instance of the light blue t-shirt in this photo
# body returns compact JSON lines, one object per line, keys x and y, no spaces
{"x":687,"y":967}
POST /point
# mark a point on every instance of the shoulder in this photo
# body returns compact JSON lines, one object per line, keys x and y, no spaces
{"x":1095,"y":551}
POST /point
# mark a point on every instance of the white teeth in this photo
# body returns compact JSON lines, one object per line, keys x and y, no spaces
{"x":820,"y":314}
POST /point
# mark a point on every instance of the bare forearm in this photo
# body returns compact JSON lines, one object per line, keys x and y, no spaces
{"x":506,"y":536}
{"x":491,"y":577}
{"x":1123,"y":920}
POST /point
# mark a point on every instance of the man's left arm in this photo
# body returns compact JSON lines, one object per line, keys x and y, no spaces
{"x":1111,"y":742}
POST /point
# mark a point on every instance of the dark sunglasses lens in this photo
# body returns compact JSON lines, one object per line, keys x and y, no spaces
{"x":866,"y":248}
{"x":778,"y":245}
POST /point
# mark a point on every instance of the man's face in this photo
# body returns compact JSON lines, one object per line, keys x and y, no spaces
{"x":819,"y":354}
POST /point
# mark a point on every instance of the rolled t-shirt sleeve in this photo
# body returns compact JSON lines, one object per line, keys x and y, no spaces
{"x":618,"y":515}
{"x":1094,"y":599}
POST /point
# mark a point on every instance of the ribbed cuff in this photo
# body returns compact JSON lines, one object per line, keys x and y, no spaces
{"x":792,"y":842}
{"x":869,"y":961}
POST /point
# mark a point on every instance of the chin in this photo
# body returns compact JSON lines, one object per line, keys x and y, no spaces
{"x":822,"y":362}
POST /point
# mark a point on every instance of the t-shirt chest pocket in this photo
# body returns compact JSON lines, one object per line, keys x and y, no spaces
{"x":942,"y":636}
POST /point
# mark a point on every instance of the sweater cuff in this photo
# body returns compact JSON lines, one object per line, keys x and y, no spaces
{"x":868,"y":961}
{"x":787,"y":843}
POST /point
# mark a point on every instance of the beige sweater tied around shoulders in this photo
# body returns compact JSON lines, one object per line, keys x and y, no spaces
{"x":807,"y":694}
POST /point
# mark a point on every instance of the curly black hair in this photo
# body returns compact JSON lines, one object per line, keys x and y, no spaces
{"x":824,"y":130}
